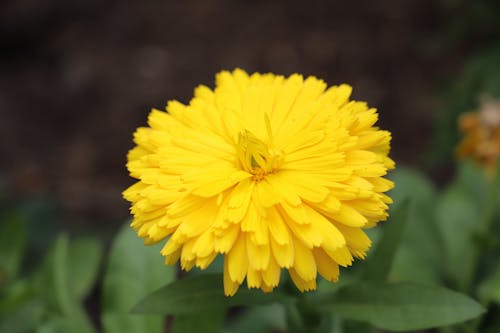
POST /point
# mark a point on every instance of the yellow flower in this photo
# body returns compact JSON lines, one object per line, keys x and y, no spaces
{"x":481,"y":131}
{"x":271,"y":172}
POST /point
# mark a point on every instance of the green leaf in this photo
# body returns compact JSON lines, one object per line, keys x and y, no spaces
{"x":414,"y":262}
{"x":16,"y":295}
{"x":54,"y":283}
{"x":457,"y":217}
{"x":472,"y":178}
{"x":125,"y":322}
{"x":401,"y":306}
{"x":24,"y":319}
{"x":12,"y":246}
{"x":84,"y":258}
{"x":378,"y":265}
{"x":201,"y":293}
{"x":337,"y":324}
{"x":489,"y":289}
{"x":58,"y":324}
{"x":411,"y":264}
{"x":413,"y":184}
{"x":55,"y":287}
{"x":133,"y":271}
{"x":353,"y":326}
{"x":210,"y":321}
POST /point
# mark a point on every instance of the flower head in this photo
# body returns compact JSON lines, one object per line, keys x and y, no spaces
{"x":270,"y":172}
{"x":481,"y":131}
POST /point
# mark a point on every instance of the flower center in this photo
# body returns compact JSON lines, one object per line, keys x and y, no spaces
{"x":256,"y":157}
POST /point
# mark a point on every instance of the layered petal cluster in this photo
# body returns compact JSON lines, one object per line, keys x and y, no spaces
{"x":268,"y":171}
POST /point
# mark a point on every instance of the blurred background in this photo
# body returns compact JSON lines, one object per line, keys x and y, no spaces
{"x":77,"y":77}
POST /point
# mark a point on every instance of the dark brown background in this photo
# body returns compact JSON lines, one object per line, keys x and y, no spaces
{"x":77,"y":77}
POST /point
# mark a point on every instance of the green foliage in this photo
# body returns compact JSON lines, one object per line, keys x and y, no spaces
{"x":133,"y":270}
{"x":402,"y":285}
{"x":56,"y":292}
{"x":378,"y":265}
{"x":209,"y":321}
{"x":12,"y":247}
{"x":401,"y":306}
{"x":50,"y":298}
{"x":85,"y":258}
{"x":201,"y":296}
{"x":258,"y":319}
{"x":23,"y":318}
{"x":416,"y":258}
{"x":304,"y":317}
{"x":456,"y":211}
{"x":489,"y":289}
{"x":201,"y":293}
{"x":19,"y":310}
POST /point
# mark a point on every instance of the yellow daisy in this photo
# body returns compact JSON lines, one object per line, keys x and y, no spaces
{"x":268,"y":171}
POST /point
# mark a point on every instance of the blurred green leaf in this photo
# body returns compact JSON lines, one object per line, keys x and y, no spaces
{"x":133,"y":271}
{"x":413,"y":184}
{"x":201,"y":293}
{"x":353,"y":326}
{"x":457,"y":217}
{"x":125,"y":322}
{"x":209,"y":321}
{"x":411,"y":265}
{"x":12,"y":246}
{"x":472,"y":178}
{"x":489,"y":289}
{"x":54,"y":283}
{"x":55,"y":287}
{"x":337,"y":325}
{"x":414,"y":262}
{"x":84,"y":258}
{"x":401,"y":306}
{"x":24,"y":318}
{"x":378,"y":264}
{"x":15,"y":296}
{"x":58,"y":324}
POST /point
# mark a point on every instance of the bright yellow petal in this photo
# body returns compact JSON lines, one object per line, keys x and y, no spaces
{"x":230,"y":286}
{"x":258,"y":255}
{"x":302,"y":284}
{"x":304,"y":263}
{"x":237,"y":260}
{"x":284,"y":254}
{"x":327,"y":267}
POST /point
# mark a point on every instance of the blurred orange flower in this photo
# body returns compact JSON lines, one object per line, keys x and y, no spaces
{"x":481,"y":130}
